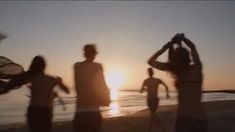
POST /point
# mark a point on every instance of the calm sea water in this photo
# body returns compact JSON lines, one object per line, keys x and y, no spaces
{"x":13,"y":105}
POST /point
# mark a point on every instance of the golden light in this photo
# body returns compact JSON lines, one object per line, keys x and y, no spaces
{"x":114,"y":94}
{"x":114,"y":109}
{"x":115,"y":80}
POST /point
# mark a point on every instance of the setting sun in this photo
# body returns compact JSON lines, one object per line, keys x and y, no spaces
{"x":115,"y":80}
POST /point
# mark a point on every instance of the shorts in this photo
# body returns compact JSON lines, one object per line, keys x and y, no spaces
{"x":87,"y":122}
{"x":153,"y":104}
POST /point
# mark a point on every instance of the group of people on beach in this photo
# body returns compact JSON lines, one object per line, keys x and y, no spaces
{"x":185,"y":66}
{"x":92,"y":92}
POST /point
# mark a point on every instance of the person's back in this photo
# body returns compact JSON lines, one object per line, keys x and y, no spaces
{"x":42,"y":86}
{"x":86,"y":84}
{"x":90,"y":84}
{"x":189,"y":87}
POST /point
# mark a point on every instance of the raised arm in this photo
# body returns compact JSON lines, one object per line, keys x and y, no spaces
{"x":161,"y":65}
{"x":62,"y":85}
{"x":153,"y":59}
{"x":167,"y":89}
{"x":194,"y":52}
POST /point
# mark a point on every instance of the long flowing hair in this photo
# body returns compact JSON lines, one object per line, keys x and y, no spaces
{"x":179,"y":60}
{"x":37,"y":66}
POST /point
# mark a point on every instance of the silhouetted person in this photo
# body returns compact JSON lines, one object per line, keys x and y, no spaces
{"x":55,"y":95}
{"x":90,"y":86}
{"x":191,"y":116}
{"x":41,"y":85}
{"x":151,"y":84}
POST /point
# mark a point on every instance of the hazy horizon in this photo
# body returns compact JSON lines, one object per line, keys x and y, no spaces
{"x":126,"y":33}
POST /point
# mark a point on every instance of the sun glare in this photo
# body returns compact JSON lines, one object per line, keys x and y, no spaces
{"x":114,"y":109}
{"x":115,"y":80}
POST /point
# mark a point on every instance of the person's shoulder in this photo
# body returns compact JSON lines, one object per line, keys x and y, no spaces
{"x":49,"y":76}
{"x":50,"y":79}
{"x":157,"y":80}
{"x":145,"y":80}
{"x":77,"y":63}
{"x":98,"y":65}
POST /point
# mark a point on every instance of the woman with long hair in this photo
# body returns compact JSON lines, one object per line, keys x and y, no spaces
{"x":39,"y":113}
{"x":187,"y":72}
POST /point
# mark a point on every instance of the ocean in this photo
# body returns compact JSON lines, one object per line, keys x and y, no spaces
{"x":13,"y":106}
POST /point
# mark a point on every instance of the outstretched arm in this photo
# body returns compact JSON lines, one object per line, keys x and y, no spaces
{"x":167,"y":89}
{"x":62,"y":85}
{"x":194,"y":52}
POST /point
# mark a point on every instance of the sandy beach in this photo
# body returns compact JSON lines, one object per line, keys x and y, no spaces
{"x":221,"y":116}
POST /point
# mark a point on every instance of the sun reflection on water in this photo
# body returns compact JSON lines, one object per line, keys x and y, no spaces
{"x":114,"y":106}
{"x":114,"y":94}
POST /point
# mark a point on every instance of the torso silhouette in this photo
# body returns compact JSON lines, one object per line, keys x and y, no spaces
{"x":189,"y":93}
{"x":41,"y":90}
{"x":152,"y":87}
{"x":88,"y":75}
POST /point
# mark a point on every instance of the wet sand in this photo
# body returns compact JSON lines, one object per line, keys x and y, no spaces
{"x":221,"y":116}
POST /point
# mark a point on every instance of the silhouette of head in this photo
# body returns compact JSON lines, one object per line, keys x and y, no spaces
{"x":181,"y":55}
{"x":150,"y":72}
{"x":90,"y":51}
{"x":179,"y":59}
{"x":37,"y":66}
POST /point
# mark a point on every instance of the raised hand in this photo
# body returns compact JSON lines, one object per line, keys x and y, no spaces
{"x":176,"y":38}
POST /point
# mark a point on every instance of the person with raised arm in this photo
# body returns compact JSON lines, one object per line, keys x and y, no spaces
{"x":187,"y":72}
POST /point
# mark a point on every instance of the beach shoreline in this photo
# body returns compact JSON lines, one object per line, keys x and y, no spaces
{"x":221,"y":117}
